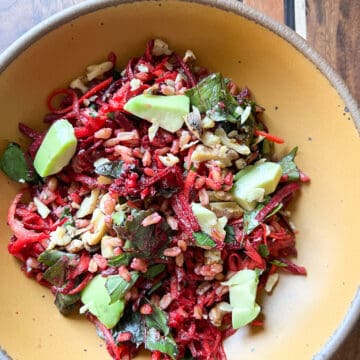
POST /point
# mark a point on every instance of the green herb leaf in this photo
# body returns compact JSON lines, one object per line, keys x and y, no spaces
{"x":111,"y":115}
{"x":165,"y":344}
{"x":209,"y":92}
{"x":122,"y":259}
{"x":203,"y":240}
{"x":56,"y":274}
{"x":263,"y":250}
{"x":130,"y":322}
{"x":157,"y":319}
{"x":267,"y":149}
{"x":50,"y":257}
{"x":289,"y":167}
{"x":250,"y":222}
{"x":117,"y":287}
{"x":155,"y":287}
{"x":112,"y":169}
{"x":66,"y":213}
{"x":155,"y":270}
{"x":14,"y":165}
{"x":230,"y":235}
{"x":66,"y":303}
{"x":148,"y":241}
{"x":278,"y":263}
{"x":276,"y":209}
{"x":118,"y":218}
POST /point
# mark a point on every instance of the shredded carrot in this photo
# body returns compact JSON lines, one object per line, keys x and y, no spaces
{"x":268,"y":136}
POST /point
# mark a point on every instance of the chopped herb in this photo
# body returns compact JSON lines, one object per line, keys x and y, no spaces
{"x":157,"y":319}
{"x":50,"y":257}
{"x":122,"y":259}
{"x":203,"y":240}
{"x":117,"y":287}
{"x":155,"y":287}
{"x":13,"y":163}
{"x":278,"y":263}
{"x":66,"y":213}
{"x":277,"y":209}
{"x":147,"y":241}
{"x":155,"y":270}
{"x":56,"y":274}
{"x":263,"y":250}
{"x":250,"y":222}
{"x":230,"y":235}
{"x":118,"y":218}
{"x":289,"y":167}
{"x":165,"y":344}
{"x":111,"y":115}
{"x":267,"y":149}
{"x":66,"y":303}
{"x":131,"y":322}
{"x":112,"y":169}
{"x":211,"y":91}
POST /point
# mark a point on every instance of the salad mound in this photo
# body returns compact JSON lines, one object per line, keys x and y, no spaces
{"x":157,"y":208}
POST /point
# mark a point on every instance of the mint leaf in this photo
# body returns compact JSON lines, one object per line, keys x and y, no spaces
{"x":278,"y":263}
{"x":66,"y":303}
{"x":112,"y":169}
{"x":154,"y":270}
{"x":165,"y":344}
{"x":207,"y":94}
{"x":50,"y":257}
{"x":13,"y":164}
{"x":117,"y":287}
{"x":263,"y":250}
{"x":130,"y":322}
{"x":203,"y":240}
{"x":276,"y":209}
{"x":148,"y":241}
{"x":122,"y":259}
{"x":56,"y":274}
{"x":157,"y":319}
{"x":250,"y":222}
{"x":118,"y":218}
{"x":230,"y":235}
{"x":289,"y":167}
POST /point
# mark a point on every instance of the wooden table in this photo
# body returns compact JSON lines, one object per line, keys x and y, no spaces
{"x":332,"y":29}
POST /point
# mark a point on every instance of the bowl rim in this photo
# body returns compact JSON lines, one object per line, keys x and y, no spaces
{"x":238,"y":8}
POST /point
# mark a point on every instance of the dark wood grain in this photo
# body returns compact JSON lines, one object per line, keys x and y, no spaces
{"x":333,"y":29}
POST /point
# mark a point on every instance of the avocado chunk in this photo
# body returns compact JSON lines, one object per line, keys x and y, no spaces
{"x":57,"y":149}
{"x":242,"y":288}
{"x":97,"y":300}
{"x":254,"y":182}
{"x":207,"y":219}
{"x":165,"y":111}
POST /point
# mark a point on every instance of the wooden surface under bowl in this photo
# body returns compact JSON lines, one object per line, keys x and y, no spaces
{"x":301,"y":106}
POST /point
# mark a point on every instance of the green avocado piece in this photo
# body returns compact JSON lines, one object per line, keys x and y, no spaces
{"x":57,"y":149}
{"x":242,"y":288}
{"x":97,"y":300}
{"x":208,"y":220}
{"x":166,"y":111}
{"x":254,"y":182}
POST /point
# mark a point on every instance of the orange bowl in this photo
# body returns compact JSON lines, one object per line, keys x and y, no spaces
{"x":306,"y":103}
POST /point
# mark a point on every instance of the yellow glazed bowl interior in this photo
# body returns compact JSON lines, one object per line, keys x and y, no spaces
{"x":301,"y":106}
